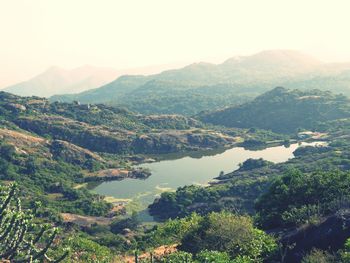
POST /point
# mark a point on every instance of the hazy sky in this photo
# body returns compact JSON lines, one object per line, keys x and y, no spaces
{"x":35,"y":34}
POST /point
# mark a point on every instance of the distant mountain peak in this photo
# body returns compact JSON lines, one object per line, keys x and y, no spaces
{"x":275,"y":56}
{"x":288,"y":54}
{"x":57,"y":80}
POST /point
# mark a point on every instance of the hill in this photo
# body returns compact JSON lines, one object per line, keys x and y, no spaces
{"x":57,"y":80}
{"x":336,"y":79}
{"x":200,"y":86}
{"x":108,"y":129}
{"x":282,"y":110}
{"x":54,"y":151}
{"x":50,"y":149}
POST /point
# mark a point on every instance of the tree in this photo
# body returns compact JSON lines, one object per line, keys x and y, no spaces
{"x":7,"y":151}
{"x":297,"y":198}
{"x":319,"y":256}
{"x":213,"y":256}
{"x":233,"y":234}
{"x":127,"y":223}
{"x":20,"y":238}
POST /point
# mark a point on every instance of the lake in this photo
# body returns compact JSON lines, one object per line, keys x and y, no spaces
{"x":167,"y":175}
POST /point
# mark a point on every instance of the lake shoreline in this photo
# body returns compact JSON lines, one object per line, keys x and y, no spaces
{"x":168,"y":175}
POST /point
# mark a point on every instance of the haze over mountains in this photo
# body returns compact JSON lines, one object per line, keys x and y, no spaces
{"x":191,"y":89}
{"x":57,"y":80}
{"x":205,"y":86}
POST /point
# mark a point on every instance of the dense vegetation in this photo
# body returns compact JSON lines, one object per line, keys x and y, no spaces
{"x":309,"y":196}
{"x":282,"y":110}
{"x":50,"y":149}
{"x":106,"y":129}
{"x":49,"y":181}
{"x":304,"y":201}
{"x":216,"y":235}
{"x":235,"y":235}
{"x":20,"y":239}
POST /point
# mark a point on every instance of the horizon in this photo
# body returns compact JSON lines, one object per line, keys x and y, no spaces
{"x":129,"y":35}
{"x":156,"y":69}
{"x":174,"y":131}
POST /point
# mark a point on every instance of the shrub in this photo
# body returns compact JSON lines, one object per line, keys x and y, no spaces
{"x":233,"y":234}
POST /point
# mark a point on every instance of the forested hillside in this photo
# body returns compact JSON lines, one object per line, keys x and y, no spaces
{"x":107,"y":129}
{"x":304,"y":201}
{"x":52,"y":150}
{"x":51,"y":147}
{"x":283,"y":110}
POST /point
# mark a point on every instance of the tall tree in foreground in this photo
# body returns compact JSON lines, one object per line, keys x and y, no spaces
{"x":20,"y":239}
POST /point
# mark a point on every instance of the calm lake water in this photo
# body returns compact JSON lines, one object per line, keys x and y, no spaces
{"x":168,"y":175}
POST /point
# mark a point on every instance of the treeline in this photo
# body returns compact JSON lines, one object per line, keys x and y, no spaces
{"x":282,"y":110}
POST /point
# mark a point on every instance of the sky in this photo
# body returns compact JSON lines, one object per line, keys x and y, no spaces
{"x":123,"y":34}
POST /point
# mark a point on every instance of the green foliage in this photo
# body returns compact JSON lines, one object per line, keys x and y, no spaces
{"x":345,"y":252}
{"x":174,"y":204}
{"x":85,"y":250}
{"x":297,"y":197}
{"x":213,"y":257}
{"x":7,"y":151}
{"x":242,"y":259}
{"x":308,"y":150}
{"x":282,"y":110}
{"x":39,"y":178}
{"x":250,"y":164}
{"x":104,"y":129}
{"x":128,"y":223}
{"x":178,"y":257}
{"x":172,"y":231}
{"x":20,"y":239}
{"x":319,"y":256}
{"x":229,"y":233}
{"x":151,"y":96}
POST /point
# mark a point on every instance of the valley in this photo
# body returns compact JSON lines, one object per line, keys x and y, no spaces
{"x":174,"y":131}
{"x":117,"y":177}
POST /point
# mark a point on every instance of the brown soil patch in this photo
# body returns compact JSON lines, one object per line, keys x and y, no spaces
{"x":158,"y":252}
{"x":85,"y":220}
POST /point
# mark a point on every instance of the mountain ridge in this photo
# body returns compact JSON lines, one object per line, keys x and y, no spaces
{"x":200,"y":86}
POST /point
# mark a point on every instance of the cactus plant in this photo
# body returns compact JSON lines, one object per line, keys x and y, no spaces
{"x":20,"y":242}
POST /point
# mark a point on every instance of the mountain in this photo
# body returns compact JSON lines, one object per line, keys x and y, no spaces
{"x":101,"y":128}
{"x":57,"y":80}
{"x":201,"y":86}
{"x":283,"y":110}
{"x":336,"y":79}
{"x":263,"y":66}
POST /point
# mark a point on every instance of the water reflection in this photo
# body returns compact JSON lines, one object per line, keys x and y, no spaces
{"x":169,"y":174}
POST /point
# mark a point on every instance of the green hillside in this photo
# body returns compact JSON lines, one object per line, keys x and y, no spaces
{"x":282,"y":110}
